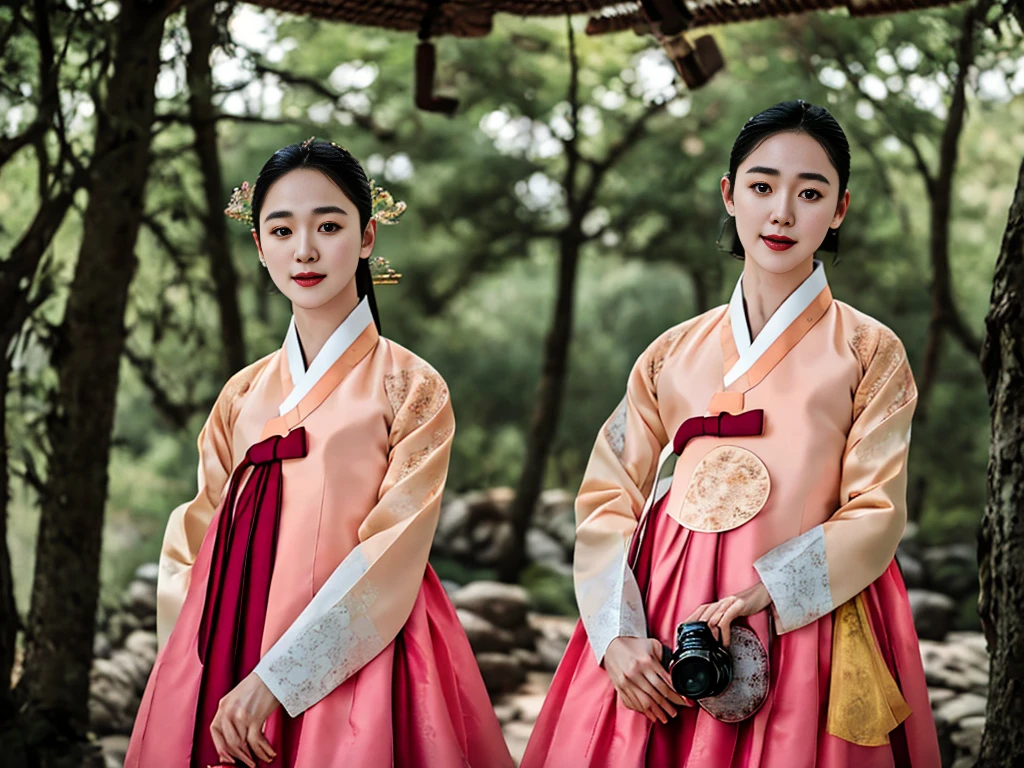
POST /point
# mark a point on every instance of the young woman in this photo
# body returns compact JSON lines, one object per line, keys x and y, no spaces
{"x":301,"y":622}
{"x":788,"y":414}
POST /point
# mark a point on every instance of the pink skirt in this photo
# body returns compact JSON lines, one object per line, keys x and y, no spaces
{"x":583,"y":723}
{"x":420,"y":703}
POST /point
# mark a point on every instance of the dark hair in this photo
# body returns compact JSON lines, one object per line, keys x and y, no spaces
{"x":338,"y":165}
{"x":793,"y":117}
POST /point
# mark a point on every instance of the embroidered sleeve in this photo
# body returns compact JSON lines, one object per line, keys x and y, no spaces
{"x":821,"y":569}
{"x":618,"y":478}
{"x":189,"y":522}
{"x":366,"y":601}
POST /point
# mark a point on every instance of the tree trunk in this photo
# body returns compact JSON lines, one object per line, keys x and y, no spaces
{"x":1001,"y":537}
{"x":550,"y":390}
{"x":10,"y":622}
{"x":55,"y":685}
{"x":202,"y":31}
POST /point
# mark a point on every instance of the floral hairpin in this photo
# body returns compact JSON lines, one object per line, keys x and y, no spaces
{"x":385,"y":210}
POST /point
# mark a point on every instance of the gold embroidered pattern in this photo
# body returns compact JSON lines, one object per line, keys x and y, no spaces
{"x":906,"y":391}
{"x":417,"y":458}
{"x":728,"y":487}
{"x":750,"y":676}
{"x":419,"y":393}
{"x":659,"y":350}
{"x":881,"y":353}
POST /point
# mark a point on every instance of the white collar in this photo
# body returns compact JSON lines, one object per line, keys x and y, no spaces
{"x":304,"y":380}
{"x":791,"y":309}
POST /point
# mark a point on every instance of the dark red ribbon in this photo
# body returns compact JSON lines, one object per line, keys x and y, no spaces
{"x":231,"y":628}
{"x":746,"y":424}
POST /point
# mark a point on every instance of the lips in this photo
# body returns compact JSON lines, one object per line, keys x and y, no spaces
{"x":308,"y":279}
{"x":778,"y":242}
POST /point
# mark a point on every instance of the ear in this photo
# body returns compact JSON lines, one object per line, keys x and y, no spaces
{"x":259,"y":248}
{"x":727,"y":196}
{"x":369,"y":239}
{"x":841,"y":209}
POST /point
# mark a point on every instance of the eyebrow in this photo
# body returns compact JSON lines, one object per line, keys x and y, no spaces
{"x":810,"y":175}
{"x":316,"y":211}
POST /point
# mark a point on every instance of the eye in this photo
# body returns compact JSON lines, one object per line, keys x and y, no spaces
{"x":761,"y":187}
{"x":333,"y":227}
{"x":280,"y":231}
{"x":816,"y":193}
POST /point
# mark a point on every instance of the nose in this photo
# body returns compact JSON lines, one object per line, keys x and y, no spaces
{"x":782,"y":213}
{"x":304,"y":250}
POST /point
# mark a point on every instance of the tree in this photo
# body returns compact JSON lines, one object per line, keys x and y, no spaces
{"x":55,"y":683}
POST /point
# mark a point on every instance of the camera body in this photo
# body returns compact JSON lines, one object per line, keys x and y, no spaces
{"x":700,"y":666}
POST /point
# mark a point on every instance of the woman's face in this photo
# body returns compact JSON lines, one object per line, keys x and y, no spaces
{"x":785,"y":197}
{"x":310,"y":238}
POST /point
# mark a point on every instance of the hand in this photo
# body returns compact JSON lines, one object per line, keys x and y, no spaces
{"x":237,"y":727}
{"x":721,"y":614}
{"x":643,"y":684}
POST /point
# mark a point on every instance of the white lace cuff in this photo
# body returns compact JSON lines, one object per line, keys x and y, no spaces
{"x":796,"y":576}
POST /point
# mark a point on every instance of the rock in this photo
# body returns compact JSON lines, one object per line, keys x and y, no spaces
{"x":115,"y":747}
{"x":529,"y":706}
{"x":101,"y":647}
{"x":143,"y":644}
{"x":501,"y":673}
{"x":101,"y":719}
{"x":551,"y":652}
{"x":450,"y":587}
{"x":460,"y":546}
{"x":558,"y":628}
{"x":483,"y":635}
{"x":136,"y":669}
{"x":491,"y":504}
{"x":964,"y":762}
{"x":526,"y":637}
{"x":455,"y":517}
{"x":933,"y":613}
{"x":147,"y":573}
{"x":504,"y":605}
{"x":939,"y":695}
{"x":913,"y":571}
{"x":528,"y":659}
{"x":517,"y":734}
{"x":542,"y":548}
{"x":493,"y":542}
{"x":556,"y":516}
{"x":536,"y":682}
{"x":506,"y":709}
{"x":968,"y":736}
{"x":952,"y":569}
{"x":960,"y":707}
{"x":112,"y":671}
{"x":141,"y":599}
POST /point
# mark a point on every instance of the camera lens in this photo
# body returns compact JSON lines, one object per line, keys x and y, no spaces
{"x":694,"y":677}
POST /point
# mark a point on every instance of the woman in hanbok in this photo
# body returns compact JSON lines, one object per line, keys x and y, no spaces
{"x":787,"y":416}
{"x":299,"y":622}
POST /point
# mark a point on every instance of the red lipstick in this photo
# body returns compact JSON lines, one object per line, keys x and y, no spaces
{"x":308,"y":279}
{"x":778,"y":242}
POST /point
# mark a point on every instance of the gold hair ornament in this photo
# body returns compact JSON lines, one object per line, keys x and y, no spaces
{"x":385,"y":210}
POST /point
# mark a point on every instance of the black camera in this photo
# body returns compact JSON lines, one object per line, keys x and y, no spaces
{"x":700,"y":666}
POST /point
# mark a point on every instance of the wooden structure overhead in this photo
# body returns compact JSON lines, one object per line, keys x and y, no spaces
{"x":475,"y":18}
{"x":670,"y":21}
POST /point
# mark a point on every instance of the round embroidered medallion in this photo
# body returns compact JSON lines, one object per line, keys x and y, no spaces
{"x":750,"y":675}
{"x":727,"y":488}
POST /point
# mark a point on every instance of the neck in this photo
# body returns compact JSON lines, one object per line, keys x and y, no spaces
{"x":315,"y":326}
{"x":764,"y":292}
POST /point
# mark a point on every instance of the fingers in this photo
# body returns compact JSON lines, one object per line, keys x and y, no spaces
{"x":219,"y":744}
{"x":236,"y":744}
{"x":649,"y":707}
{"x":259,"y":745}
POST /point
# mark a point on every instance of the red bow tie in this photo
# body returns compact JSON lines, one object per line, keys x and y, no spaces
{"x":746,"y":424}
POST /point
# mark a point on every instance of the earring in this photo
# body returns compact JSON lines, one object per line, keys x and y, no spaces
{"x":263,"y":263}
{"x":729,"y":239}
